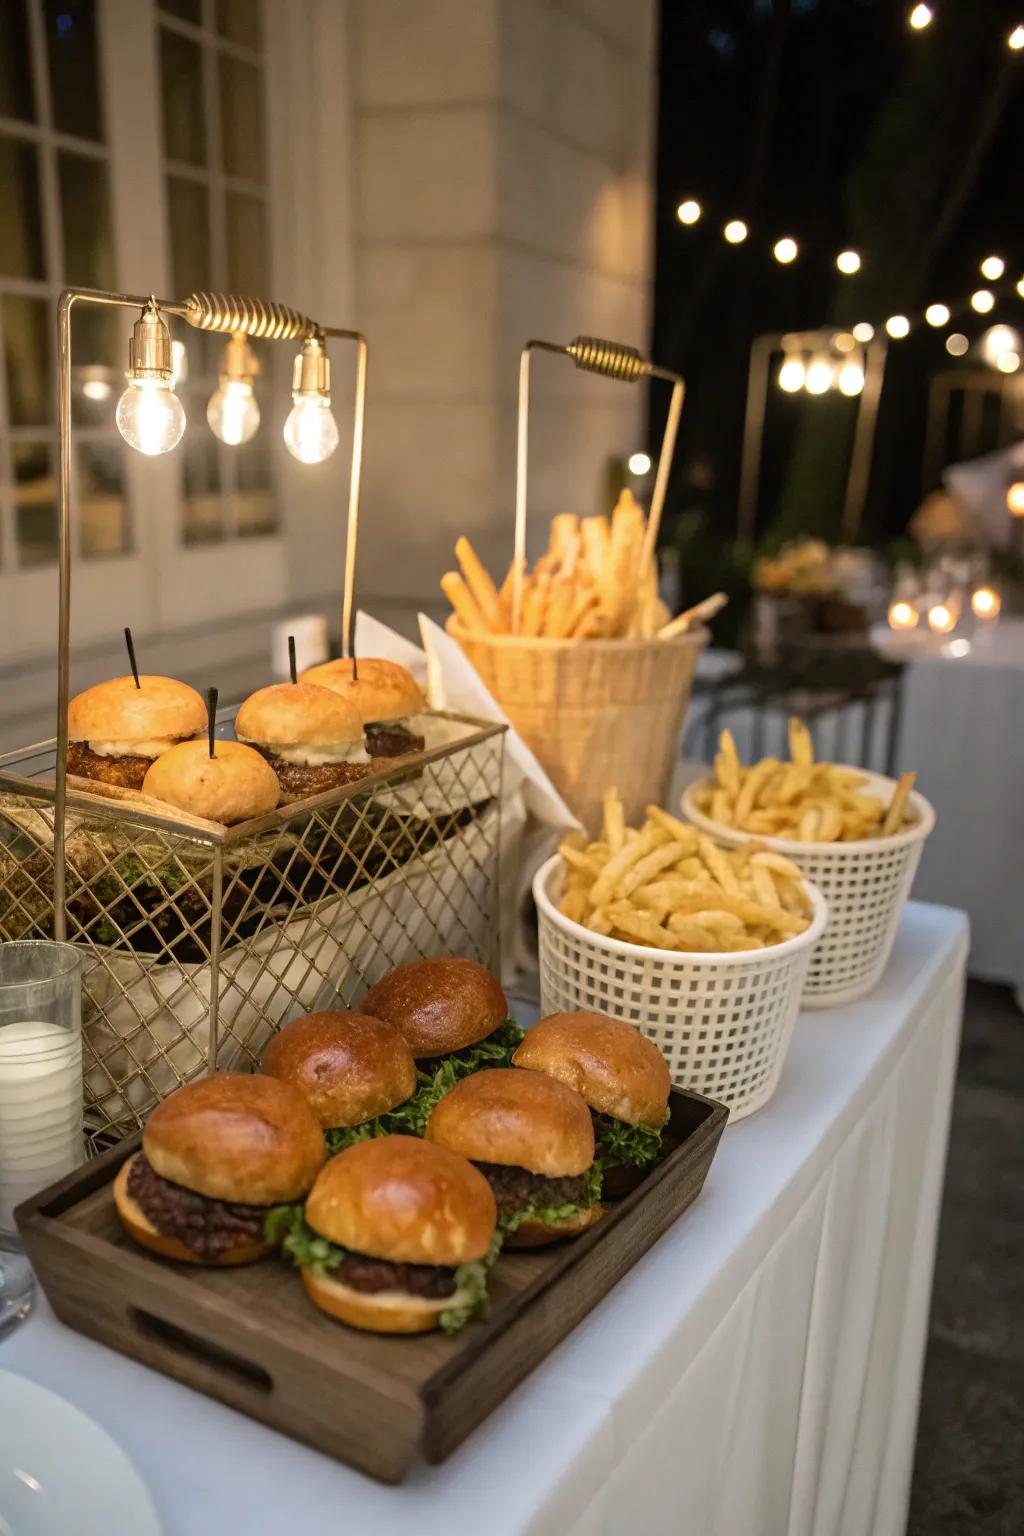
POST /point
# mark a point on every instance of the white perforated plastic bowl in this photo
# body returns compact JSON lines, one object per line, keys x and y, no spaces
{"x":723,"y":1021}
{"x":864,"y":884}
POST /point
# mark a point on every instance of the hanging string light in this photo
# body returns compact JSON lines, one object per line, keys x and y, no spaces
{"x":921,"y":16}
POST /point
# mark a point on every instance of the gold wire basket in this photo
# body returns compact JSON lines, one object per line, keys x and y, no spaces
{"x":203,"y":940}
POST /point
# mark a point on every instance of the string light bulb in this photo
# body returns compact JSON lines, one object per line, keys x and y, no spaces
{"x":311,"y":432}
{"x":1020,"y":286}
{"x":920,"y":17}
{"x":233,"y":412}
{"x":941,"y":618}
{"x":819,"y":376}
{"x":993,"y":268}
{"x":985,"y":603}
{"x":956,"y":344}
{"x":792,"y":374}
{"x":903,"y":615}
{"x":863,"y":332}
{"x":898,"y":326}
{"x":851,"y":378}
{"x":785,"y":250}
{"x":1015,"y":41}
{"x":149,"y":416}
{"x":937,"y":314}
{"x":982,"y":301}
{"x":689,"y":211}
{"x":1015,"y":499}
{"x":639,"y":463}
{"x":848,"y":263}
{"x":1008,"y":362}
{"x":735,"y":231}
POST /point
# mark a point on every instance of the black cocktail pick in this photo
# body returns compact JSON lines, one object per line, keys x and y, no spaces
{"x":130,"y":643}
{"x":211,"y":717}
{"x":291,"y":659}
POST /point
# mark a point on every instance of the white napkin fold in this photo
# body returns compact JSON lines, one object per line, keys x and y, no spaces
{"x":534,"y":816}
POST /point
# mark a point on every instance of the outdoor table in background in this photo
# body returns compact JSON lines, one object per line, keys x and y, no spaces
{"x":757,"y":1371}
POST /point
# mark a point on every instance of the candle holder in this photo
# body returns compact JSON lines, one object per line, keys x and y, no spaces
{"x":40,"y":1092}
{"x":198,"y":940}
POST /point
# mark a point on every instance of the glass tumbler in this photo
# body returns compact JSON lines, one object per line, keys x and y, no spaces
{"x":40,"y":1092}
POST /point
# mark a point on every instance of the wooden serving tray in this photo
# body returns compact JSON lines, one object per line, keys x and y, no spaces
{"x":250,"y":1338}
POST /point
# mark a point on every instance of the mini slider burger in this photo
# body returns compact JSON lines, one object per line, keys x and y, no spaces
{"x":117,"y":729}
{"x":533,"y":1140}
{"x":355,"y":1072}
{"x":451,"y":1012}
{"x":397,"y":1237}
{"x":311,"y":737}
{"x":386,"y":696}
{"x":620,"y":1074}
{"x":231,"y":783}
{"x":216,"y":1156}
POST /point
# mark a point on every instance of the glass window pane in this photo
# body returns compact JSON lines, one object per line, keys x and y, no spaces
{"x":99,"y":499}
{"x":185,"y":10}
{"x":247,"y":244}
{"x":85,"y":215}
{"x":99,"y":356}
{"x":28,"y":344}
{"x":74,"y":78}
{"x":181,"y":76}
{"x":241,"y":118}
{"x":189,"y":213}
{"x":203,"y":506}
{"x":15,"y":67}
{"x":255,"y":507}
{"x":21,"y":230}
{"x":35,"y":503}
{"x":240,"y":21}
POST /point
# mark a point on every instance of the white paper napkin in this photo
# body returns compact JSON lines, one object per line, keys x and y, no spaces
{"x":533,"y":814}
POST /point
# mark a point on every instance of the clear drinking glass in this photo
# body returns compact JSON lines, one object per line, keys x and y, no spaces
{"x":40,"y":1093}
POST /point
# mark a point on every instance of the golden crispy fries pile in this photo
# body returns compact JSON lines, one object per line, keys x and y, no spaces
{"x":593,"y":583}
{"x":670,"y":886}
{"x":805,"y":801}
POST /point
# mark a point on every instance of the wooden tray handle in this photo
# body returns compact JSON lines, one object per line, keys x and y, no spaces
{"x":198,"y":1361}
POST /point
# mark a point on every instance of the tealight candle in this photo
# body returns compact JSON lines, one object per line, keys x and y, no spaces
{"x":903,"y":615}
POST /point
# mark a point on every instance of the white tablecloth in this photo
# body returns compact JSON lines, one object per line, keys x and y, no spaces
{"x":756,"y":1373}
{"x":962,"y":729}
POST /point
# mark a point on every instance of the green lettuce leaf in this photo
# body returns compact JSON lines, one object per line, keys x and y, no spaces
{"x":555,"y":1215}
{"x":472,"y":1278}
{"x":635,"y":1145}
{"x":286,"y":1228}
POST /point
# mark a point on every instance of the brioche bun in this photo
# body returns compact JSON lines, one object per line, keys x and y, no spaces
{"x":139,"y":1227}
{"x":118,"y":711}
{"x":376,"y":1313}
{"x":440,"y":1005}
{"x":523,"y":1119}
{"x":615,"y":1068}
{"x":299,"y":713}
{"x":236,"y":784}
{"x":348,"y":1066}
{"x":539,"y":1234}
{"x":233,"y":1136}
{"x":404,"y":1200}
{"x":380,"y":690}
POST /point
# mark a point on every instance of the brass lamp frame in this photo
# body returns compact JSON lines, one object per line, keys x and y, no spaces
{"x":231,"y":315}
{"x":613,"y":360}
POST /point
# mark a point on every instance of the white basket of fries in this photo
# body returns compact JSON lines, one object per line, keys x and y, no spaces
{"x":716,"y":982}
{"x":864,"y":878}
{"x":586,"y":663}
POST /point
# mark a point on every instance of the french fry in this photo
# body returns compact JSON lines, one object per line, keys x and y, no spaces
{"x":595,"y":533}
{"x":558,"y":619}
{"x":565,"y":540}
{"x":628,"y":855}
{"x":681,"y":833}
{"x":481,"y":585}
{"x":613,"y":820}
{"x":467,"y":609}
{"x":801,"y":748}
{"x":535,"y":605}
{"x":698,"y":614}
{"x":505,"y":593}
{"x":897,"y":805}
{"x":752,"y":784}
{"x":717,"y":865}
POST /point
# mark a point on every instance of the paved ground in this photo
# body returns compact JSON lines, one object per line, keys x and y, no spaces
{"x":969,"y":1471}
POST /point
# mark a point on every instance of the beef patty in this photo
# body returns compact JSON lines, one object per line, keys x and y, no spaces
{"x":298,"y":781}
{"x":514,"y":1188}
{"x":126,"y":772}
{"x":207,"y":1227}
{"x":364,"y":1273}
{"x":392,"y":740}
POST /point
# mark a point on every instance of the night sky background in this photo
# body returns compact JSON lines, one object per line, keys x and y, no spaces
{"x":830,"y":121}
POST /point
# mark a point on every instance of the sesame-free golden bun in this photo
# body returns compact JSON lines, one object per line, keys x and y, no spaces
{"x":522,"y":1119}
{"x":236,"y":1136}
{"x":371,"y":1311}
{"x":380,"y":690}
{"x":540,"y":1234}
{"x":160,"y":707}
{"x":616,"y":1069}
{"x":139,"y":1227}
{"x":404,"y":1200}
{"x":236,"y":784}
{"x":348,"y":1066}
{"x":299,"y":713}
{"x":441,"y":1004}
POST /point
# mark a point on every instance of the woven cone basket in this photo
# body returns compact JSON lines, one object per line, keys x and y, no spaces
{"x":594,"y":712}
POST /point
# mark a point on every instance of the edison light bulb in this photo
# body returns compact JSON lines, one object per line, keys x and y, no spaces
{"x":311,"y":431}
{"x":851,"y":379}
{"x":819,"y":376}
{"x":1015,"y":499}
{"x":941,"y":618}
{"x":792,"y":375}
{"x":986,"y":603}
{"x":233,"y":413}
{"x":862,"y":331}
{"x":150,"y":417}
{"x":903,"y":615}
{"x":898,"y":326}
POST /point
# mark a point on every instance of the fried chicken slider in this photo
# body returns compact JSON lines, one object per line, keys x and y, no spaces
{"x":311,"y":737}
{"x":117,"y":729}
